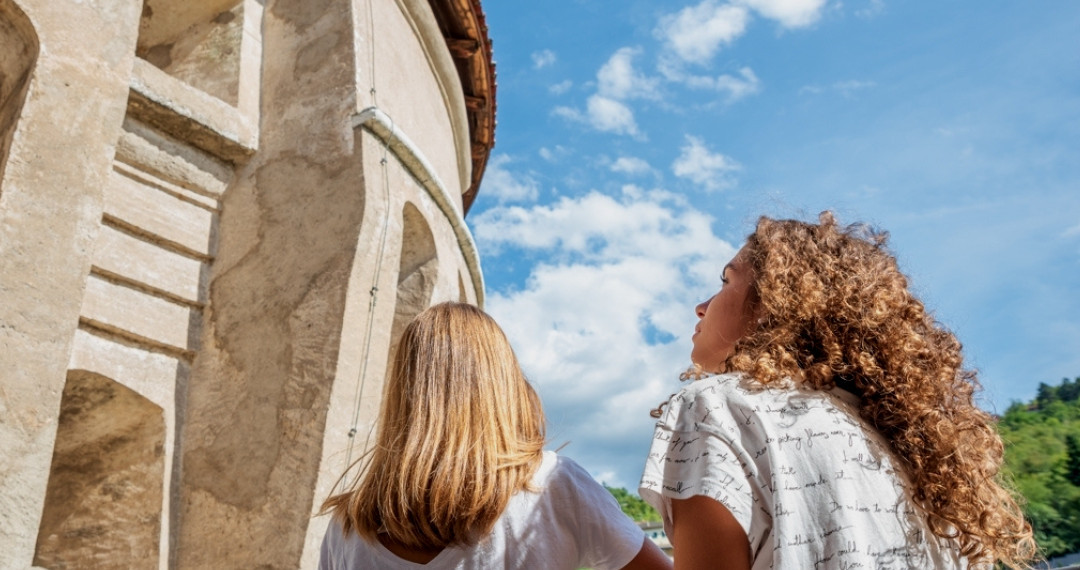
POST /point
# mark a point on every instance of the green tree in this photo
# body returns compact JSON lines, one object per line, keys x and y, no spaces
{"x":1042,"y":457}
{"x":1069,"y":391}
{"x":1072,"y":460}
{"x":1045,"y":394}
{"x":633,"y":506}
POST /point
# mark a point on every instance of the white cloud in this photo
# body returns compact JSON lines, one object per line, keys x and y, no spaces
{"x":568,"y":113}
{"x":543,"y":58}
{"x":712,"y":171}
{"x":846,"y":88}
{"x":505,"y":186}
{"x":697,"y":32}
{"x":873,"y":8}
{"x":789,"y":13}
{"x":560,"y":87}
{"x":602,"y":327}
{"x":610,"y":115}
{"x":618,"y":79}
{"x":630,"y":165}
{"x":736,"y":87}
{"x":1072,"y":232}
{"x":603,"y":114}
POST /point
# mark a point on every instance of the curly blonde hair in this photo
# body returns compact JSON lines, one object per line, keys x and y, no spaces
{"x":833,"y":308}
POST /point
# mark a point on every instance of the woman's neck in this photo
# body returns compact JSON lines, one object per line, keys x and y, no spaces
{"x":417,"y":555}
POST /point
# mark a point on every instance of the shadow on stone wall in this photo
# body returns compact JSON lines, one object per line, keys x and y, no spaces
{"x":18,"y":54}
{"x":104,"y":499}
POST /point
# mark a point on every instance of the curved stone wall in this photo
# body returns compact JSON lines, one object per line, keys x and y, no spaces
{"x":217,"y":247}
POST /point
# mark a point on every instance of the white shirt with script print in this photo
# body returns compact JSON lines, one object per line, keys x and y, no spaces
{"x":812,"y":484}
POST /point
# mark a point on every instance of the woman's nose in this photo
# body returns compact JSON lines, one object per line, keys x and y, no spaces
{"x":702,"y":306}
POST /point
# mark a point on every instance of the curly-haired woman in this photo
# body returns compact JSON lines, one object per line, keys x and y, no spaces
{"x":839,"y":429}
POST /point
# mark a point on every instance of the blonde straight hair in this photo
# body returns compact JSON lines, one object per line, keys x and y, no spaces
{"x":460,"y":431}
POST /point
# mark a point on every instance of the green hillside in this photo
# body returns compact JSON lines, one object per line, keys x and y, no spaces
{"x":1042,"y":454}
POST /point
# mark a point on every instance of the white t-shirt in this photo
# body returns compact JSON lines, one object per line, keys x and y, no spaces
{"x":571,"y":522}
{"x":811,"y":483}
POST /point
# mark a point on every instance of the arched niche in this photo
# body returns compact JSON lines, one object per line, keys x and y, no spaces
{"x":18,"y":54}
{"x":195,"y":41}
{"x":104,"y":499}
{"x":418,"y":269}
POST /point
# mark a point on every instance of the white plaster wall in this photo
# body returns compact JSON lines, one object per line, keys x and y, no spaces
{"x":416,"y":84}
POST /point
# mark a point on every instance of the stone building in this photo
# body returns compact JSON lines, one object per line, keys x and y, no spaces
{"x":216,"y":216}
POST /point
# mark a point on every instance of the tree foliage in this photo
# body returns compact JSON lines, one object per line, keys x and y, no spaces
{"x":633,"y":506}
{"x":1042,"y":456}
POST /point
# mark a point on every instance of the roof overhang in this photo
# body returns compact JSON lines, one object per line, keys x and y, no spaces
{"x":465,"y":30}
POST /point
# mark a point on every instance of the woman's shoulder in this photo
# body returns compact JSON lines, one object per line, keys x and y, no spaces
{"x":559,"y":475}
{"x":730,"y":402}
{"x":729,"y":388}
{"x":561,"y":471}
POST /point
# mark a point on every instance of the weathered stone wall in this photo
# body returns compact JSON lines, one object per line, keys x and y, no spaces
{"x":58,"y":162}
{"x":214,"y":222}
{"x":260,"y":386}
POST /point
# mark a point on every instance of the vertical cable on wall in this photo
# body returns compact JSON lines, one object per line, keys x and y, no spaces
{"x":361,"y":378}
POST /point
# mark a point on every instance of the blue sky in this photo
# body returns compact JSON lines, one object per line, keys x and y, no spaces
{"x":638,"y":141}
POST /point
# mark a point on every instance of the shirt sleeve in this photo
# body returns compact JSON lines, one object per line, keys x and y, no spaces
{"x":607,"y":537}
{"x":326,"y":552}
{"x":696,"y":451}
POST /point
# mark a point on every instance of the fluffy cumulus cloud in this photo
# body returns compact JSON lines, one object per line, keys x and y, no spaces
{"x":543,"y":58}
{"x":709,"y":170}
{"x":618,"y":79}
{"x":603,"y":114}
{"x":630,"y":165}
{"x":602,"y":326}
{"x":505,"y":186}
{"x":736,"y":87}
{"x":789,"y":13}
{"x":697,"y":32}
{"x":560,"y":87}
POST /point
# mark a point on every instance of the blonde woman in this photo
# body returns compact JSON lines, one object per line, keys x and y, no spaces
{"x":458,"y":477}
{"x":839,"y":430}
